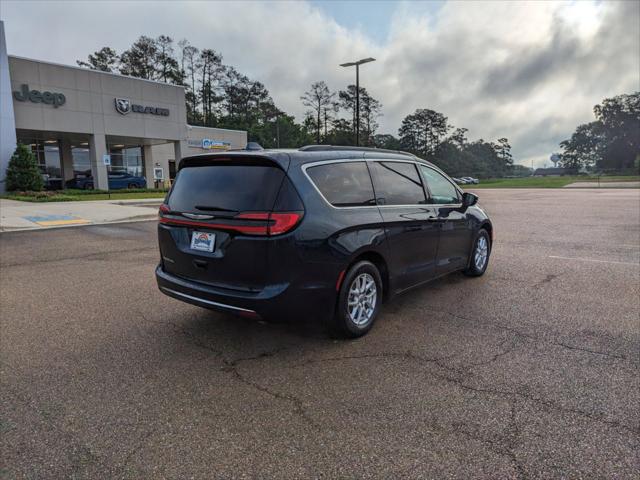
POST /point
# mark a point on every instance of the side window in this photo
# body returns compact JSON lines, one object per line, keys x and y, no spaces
{"x":345,"y":184}
{"x":442,"y":190}
{"x":397,"y":183}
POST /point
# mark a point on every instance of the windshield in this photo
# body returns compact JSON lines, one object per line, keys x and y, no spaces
{"x":225,"y":188}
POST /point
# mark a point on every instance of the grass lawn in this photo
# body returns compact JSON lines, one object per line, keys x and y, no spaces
{"x":84,"y":195}
{"x":547,"y":182}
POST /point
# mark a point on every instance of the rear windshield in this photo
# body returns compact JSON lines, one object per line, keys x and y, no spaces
{"x":225,"y":187}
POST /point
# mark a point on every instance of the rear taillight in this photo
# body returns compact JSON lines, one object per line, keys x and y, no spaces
{"x":164,"y":208}
{"x":255,"y":223}
{"x":277,"y":223}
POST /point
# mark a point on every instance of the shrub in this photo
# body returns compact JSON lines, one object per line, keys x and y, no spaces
{"x":23,"y":172}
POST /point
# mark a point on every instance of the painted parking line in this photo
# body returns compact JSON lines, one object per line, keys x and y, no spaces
{"x":594,"y":260}
{"x":56,"y":220}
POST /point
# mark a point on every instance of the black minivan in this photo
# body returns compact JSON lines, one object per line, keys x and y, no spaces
{"x":321,"y":232}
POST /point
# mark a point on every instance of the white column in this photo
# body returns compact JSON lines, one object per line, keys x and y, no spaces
{"x":179,"y":149}
{"x":66,"y":159}
{"x":97,"y":148}
{"x":149,"y":163}
{"x":7,"y":119}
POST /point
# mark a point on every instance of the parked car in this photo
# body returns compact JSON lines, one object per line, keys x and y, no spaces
{"x":117,"y":181}
{"x":320,"y":232}
{"x":459,"y":181}
{"x":470,"y":180}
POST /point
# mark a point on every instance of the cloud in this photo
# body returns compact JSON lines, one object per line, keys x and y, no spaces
{"x":528,"y":71}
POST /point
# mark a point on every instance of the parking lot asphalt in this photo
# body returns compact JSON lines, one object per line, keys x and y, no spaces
{"x":530,"y":371}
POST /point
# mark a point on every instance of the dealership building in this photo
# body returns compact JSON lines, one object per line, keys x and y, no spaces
{"x":84,"y":123}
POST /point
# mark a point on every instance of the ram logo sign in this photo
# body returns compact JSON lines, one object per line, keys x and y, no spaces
{"x":124,"y":106}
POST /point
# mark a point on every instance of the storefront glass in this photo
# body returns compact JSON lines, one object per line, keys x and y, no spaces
{"x":127,"y":159}
{"x":47,"y":155}
{"x":81,"y":161}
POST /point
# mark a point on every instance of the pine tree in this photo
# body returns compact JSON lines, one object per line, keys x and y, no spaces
{"x":23,"y":173}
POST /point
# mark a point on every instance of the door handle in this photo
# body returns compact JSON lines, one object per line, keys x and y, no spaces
{"x":414,"y":228}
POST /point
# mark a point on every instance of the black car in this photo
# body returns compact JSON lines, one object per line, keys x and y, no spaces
{"x":320,"y":232}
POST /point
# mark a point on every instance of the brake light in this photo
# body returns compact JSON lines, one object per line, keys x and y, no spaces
{"x":278,"y":223}
{"x":283,"y":222}
{"x":164,"y":208}
{"x":269,"y":223}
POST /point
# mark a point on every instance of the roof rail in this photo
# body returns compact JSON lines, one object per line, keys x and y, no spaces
{"x":329,"y":148}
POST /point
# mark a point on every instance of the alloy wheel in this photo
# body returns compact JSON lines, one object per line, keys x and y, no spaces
{"x":361,"y":301}
{"x":481,"y":253}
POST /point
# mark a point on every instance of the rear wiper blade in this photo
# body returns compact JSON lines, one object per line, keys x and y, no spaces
{"x":211,"y":208}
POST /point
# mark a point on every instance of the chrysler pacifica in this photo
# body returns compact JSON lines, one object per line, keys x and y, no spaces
{"x":320,"y":232}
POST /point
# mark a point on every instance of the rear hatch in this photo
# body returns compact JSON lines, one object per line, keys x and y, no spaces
{"x":219,"y":217}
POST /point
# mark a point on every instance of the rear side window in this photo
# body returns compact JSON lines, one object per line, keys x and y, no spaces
{"x":397,"y":183}
{"x":442,"y":190}
{"x":223,"y":187}
{"x":345,"y":184}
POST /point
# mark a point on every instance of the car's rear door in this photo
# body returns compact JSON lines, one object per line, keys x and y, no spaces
{"x":217,"y":220}
{"x":411,"y":232}
{"x":455,"y":235}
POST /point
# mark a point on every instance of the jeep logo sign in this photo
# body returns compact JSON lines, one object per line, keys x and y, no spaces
{"x":124,"y":106}
{"x":36,"y":96}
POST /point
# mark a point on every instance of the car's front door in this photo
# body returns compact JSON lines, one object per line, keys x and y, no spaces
{"x":455,"y":234}
{"x":412,"y":233}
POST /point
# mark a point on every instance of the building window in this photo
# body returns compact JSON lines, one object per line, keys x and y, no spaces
{"x":81,"y":161}
{"x":47,"y":153}
{"x":127,"y":159}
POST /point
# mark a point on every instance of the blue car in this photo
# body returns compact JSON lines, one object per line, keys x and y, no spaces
{"x":117,"y":181}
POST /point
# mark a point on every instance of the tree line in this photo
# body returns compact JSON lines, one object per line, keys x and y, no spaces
{"x":218,"y":95}
{"x":611,"y":142}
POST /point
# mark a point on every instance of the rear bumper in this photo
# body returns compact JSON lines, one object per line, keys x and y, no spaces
{"x":282,"y":301}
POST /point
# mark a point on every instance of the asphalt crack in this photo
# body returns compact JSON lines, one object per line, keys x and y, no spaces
{"x":298,"y":405}
{"x":515,"y":344}
{"x":88,"y":256}
{"x":531,"y":337}
{"x":550,"y":404}
{"x":409,"y":355}
{"x":548,"y":279}
{"x":503,"y":444}
{"x":231,"y":366}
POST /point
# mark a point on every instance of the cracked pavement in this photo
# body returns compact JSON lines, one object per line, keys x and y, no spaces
{"x":530,"y":371}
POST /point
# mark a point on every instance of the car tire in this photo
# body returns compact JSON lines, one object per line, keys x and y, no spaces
{"x":131,"y":186}
{"x":88,"y":186}
{"x":361,"y":284}
{"x":479,"y":256}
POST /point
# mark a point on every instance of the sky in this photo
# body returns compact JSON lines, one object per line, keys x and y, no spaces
{"x":528,"y":71}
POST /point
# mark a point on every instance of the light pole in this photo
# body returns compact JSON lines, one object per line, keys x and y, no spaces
{"x":357,"y":65}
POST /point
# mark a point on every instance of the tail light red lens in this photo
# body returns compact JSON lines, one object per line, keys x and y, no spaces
{"x":164,"y":208}
{"x":277,"y":223}
{"x":266,"y":223}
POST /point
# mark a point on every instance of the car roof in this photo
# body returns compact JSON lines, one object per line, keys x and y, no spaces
{"x":308,"y":154}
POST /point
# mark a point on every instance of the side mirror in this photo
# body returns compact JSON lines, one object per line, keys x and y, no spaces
{"x":469,"y":199}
